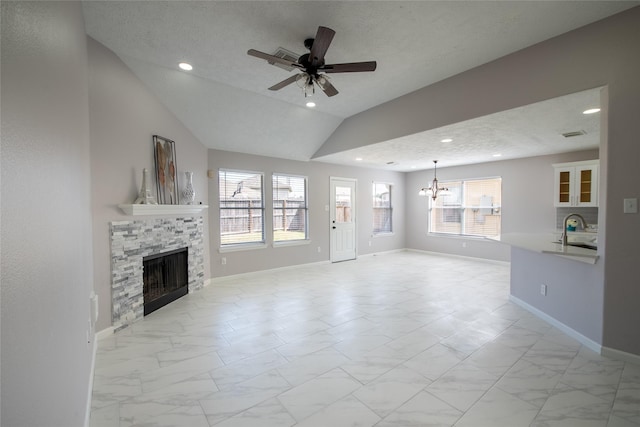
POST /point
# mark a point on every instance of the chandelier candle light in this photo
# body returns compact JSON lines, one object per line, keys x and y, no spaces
{"x":434,"y":190}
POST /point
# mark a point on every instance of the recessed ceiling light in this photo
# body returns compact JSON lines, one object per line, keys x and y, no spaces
{"x":447,"y":140}
{"x":591,"y":111}
{"x":358,"y":159}
{"x":311,"y":104}
{"x":497,"y":155}
{"x":185,"y":66}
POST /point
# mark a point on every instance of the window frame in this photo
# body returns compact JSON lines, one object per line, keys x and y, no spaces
{"x":464,"y":209}
{"x":290,"y":242}
{"x":389,"y":208}
{"x":240,"y":245}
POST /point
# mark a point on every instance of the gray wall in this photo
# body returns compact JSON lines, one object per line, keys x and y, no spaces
{"x":527,"y":202}
{"x":124,"y":116}
{"x":318,"y":177}
{"x":601,"y":54}
{"x":574,"y":289}
{"x":46,"y":215}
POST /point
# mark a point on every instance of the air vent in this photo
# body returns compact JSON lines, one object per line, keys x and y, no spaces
{"x":574,"y":133}
{"x":285,"y":54}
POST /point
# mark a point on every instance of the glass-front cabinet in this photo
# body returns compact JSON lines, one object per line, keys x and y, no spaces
{"x":576,"y":183}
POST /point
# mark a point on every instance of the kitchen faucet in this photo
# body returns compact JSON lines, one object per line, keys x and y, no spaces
{"x":564,"y":226}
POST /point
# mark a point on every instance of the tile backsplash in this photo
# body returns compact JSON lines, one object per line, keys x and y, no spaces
{"x":590,"y":215}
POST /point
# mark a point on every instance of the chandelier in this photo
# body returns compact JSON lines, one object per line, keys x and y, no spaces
{"x":434,"y":190}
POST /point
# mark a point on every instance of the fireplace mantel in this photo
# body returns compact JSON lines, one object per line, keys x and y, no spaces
{"x":162,"y":209}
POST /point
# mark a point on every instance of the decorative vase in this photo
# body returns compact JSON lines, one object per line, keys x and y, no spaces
{"x":188,"y":194}
{"x":144,"y":196}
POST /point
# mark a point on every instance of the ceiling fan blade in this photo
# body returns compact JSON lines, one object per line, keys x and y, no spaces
{"x":353,"y":67}
{"x":328,"y":88}
{"x":284,"y":83}
{"x":320,"y":45}
{"x":272,"y":59}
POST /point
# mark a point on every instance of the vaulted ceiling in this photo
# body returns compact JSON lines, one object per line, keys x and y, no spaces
{"x":225,"y":103}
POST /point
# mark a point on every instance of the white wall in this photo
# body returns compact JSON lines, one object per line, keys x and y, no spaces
{"x":527,"y":202}
{"x":46,"y":216}
{"x":604,"y":53}
{"x":124,"y":116}
{"x":318,"y":178}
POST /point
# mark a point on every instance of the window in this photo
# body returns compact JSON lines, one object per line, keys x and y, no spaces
{"x":382,"y":211}
{"x":472,"y":208}
{"x":290,"y":212}
{"x":241,"y":207}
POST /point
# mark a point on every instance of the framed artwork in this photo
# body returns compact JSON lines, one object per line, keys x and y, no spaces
{"x":164,"y":153}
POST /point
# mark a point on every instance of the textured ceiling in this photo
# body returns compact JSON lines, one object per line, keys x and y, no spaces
{"x":527,"y":131}
{"x":224,"y":101}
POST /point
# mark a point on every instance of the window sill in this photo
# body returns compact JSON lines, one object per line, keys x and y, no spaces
{"x":383,"y":234}
{"x":242,"y":247}
{"x":285,"y":243}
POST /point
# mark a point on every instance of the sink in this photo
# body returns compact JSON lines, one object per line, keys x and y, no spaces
{"x":585,"y":245}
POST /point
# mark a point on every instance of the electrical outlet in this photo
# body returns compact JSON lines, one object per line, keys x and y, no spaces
{"x":369,"y":243}
{"x":543,"y":290}
{"x":223,"y":261}
{"x":319,"y":249}
{"x":464,"y":244}
{"x":630,"y":206}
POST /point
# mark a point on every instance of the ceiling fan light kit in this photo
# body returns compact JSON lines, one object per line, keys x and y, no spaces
{"x":312,"y":65}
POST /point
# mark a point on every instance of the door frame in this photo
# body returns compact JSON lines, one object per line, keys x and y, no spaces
{"x":332,"y":212}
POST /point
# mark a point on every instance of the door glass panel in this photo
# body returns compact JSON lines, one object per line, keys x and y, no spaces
{"x":585,"y":186}
{"x":343,"y":204}
{"x":564,"y":187}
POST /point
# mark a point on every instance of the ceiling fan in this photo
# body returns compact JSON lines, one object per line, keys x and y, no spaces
{"x":312,"y":65}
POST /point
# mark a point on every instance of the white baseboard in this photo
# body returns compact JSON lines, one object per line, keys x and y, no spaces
{"x":621,"y":355}
{"x":96,"y":338}
{"x":392,"y":251}
{"x":105,"y":333}
{"x":262,"y":272}
{"x":212,"y":280}
{"x":448,"y":255}
{"x":587,"y":342}
{"x":87,"y":415}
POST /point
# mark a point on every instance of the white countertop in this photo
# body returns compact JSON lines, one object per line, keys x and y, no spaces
{"x":545,"y":243}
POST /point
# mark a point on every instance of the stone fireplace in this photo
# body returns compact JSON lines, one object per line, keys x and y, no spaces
{"x":132,"y":241}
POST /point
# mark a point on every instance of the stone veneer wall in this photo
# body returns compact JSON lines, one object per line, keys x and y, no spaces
{"x":131,"y":241}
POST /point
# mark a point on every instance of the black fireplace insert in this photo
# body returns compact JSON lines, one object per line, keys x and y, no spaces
{"x":166,"y":278}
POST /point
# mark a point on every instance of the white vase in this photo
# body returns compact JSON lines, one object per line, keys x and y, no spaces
{"x":144,"y":196}
{"x":188,"y":194}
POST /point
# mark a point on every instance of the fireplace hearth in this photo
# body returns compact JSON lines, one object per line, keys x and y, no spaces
{"x":165,"y":278}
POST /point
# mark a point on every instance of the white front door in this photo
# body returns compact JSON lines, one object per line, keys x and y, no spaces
{"x":343,"y":219}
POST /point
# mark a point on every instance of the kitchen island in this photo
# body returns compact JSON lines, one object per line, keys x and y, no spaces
{"x":562,"y":285}
{"x":547,"y":243}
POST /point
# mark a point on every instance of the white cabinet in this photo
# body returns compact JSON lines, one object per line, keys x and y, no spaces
{"x":576,"y":183}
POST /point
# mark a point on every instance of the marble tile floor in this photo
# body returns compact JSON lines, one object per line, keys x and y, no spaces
{"x":396,"y":339}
